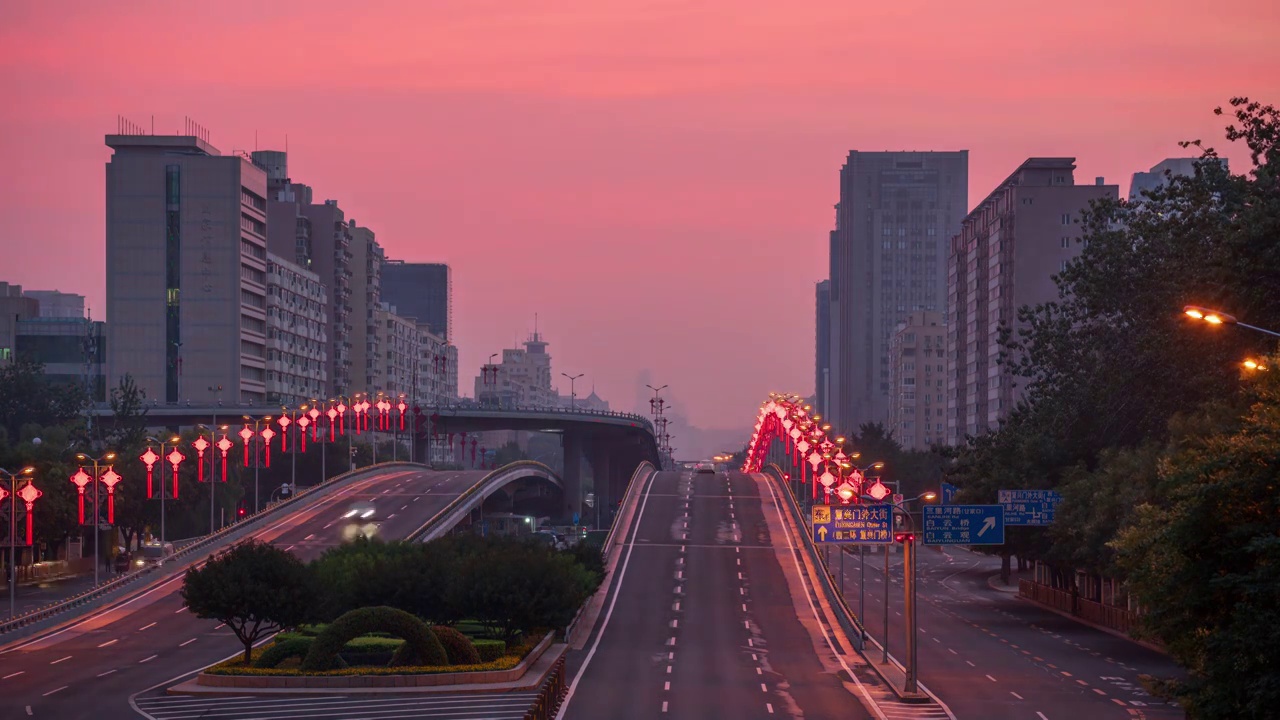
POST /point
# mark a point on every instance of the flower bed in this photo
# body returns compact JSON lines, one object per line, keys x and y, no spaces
{"x":233,"y":673}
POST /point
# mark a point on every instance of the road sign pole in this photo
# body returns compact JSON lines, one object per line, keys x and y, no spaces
{"x":885,"y":659}
{"x":862,"y":589}
{"x":909,"y":601}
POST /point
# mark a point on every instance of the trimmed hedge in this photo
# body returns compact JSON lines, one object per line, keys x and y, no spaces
{"x":235,"y":666}
{"x":421,"y":646}
{"x":490,"y":650}
{"x":457,"y":646}
{"x":282,"y":650}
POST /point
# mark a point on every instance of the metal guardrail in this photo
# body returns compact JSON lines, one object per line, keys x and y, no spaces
{"x":466,"y":495}
{"x":252,"y":522}
{"x":849,"y":620}
{"x":550,"y":694}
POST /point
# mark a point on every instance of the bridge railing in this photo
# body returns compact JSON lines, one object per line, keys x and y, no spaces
{"x":249,"y":524}
{"x":427,"y":528}
{"x":849,"y":620}
{"x":549,"y":409}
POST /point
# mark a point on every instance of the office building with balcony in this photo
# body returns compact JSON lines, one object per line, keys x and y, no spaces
{"x":1008,"y":250}
{"x":186,"y":264}
{"x":917,"y":374}
{"x":887,"y":260}
{"x":297,"y":334}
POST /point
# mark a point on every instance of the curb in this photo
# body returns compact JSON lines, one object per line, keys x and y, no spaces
{"x":994,"y":584}
{"x":1150,"y":646}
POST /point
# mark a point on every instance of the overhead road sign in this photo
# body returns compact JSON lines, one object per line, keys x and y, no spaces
{"x":859,"y":524}
{"x":1029,"y":507}
{"x":963,"y":525}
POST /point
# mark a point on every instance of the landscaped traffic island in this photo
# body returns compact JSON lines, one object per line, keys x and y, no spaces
{"x":461,"y":610}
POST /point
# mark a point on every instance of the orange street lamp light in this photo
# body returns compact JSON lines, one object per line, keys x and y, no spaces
{"x":1217,"y":317}
{"x":1255,"y":365}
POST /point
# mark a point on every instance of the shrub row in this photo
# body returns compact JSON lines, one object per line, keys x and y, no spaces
{"x":421,"y":647}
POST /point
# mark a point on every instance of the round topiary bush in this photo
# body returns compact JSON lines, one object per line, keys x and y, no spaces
{"x":282,"y":650}
{"x":421,"y":647}
{"x":457,"y":646}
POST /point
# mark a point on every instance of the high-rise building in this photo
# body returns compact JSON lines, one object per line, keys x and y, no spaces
{"x":400,"y":355}
{"x":15,"y":306}
{"x":917,"y":374}
{"x":366,"y":295}
{"x":57,"y":304}
{"x":423,"y":291}
{"x":888,"y":259}
{"x":523,"y":379}
{"x":822,"y":355}
{"x":331,"y":259}
{"x":1005,"y":256}
{"x":297,"y":334}
{"x":1158,"y":175}
{"x":186,"y":269}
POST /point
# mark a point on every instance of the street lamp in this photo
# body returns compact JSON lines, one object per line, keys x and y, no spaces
{"x":257,"y":464}
{"x":908,"y":590}
{"x":1253,"y":365}
{"x":13,"y":531}
{"x":573,"y":395}
{"x":97,"y":516}
{"x":1217,"y":317}
{"x":173,"y":446}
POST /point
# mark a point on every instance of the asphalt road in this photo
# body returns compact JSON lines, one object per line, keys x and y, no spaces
{"x":90,"y":669}
{"x":709,"y":616}
{"x":988,"y":654}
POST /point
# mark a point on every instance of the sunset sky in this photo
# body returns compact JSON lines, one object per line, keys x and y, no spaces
{"x":654,"y":179}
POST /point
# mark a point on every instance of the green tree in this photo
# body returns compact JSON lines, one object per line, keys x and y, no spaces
{"x":27,"y":399}
{"x":255,"y":588}
{"x":513,"y":586}
{"x":1204,"y":561}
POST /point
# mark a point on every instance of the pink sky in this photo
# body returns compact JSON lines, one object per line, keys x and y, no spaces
{"x":654,"y":179}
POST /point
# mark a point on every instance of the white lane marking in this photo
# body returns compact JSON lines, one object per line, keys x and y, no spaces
{"x":220,"y":626}
{"x":55,"y":662}
{"x":1066,"y":674}
{"x":622,"y":573}
{"x":763,"y":688}
{"x":953,"y":652}
{"x":991,"y":678}
{"x":675,"y":624}
{"x":109,"y":642}
{"x":971,"y":663}
{"x":28,"y":709}
{"x":64,"y":687}
{"x":777,"y":507}
{"x":180,"y":610}
{"x":6,"y":677}
{"x":1041,"y":715}
{"x":769,"y":707}
{"x":1016,"y":695}
{"x":746,"y":624}
{"x":105,"y":673}
{"x":666,"y":685}
{"x":144,"y":627}
{"x":308,"y":537}
{"x":146,"y":660}
{"x":759,"y":671}
{"x":664,"y":706}
{"x":744,"y":607}
{"x":187,"y":642}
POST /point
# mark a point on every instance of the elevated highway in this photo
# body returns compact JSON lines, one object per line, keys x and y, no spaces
{"x":89,"y":667}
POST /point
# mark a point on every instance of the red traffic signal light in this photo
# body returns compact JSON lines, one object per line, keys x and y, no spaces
{"x":241,"y":512}
{"x":786,"y":476}
{"x":904,"y":537}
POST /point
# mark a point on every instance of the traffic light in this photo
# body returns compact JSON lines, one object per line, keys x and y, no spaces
{"x":241,"y":511}
{"x":904,"y":537}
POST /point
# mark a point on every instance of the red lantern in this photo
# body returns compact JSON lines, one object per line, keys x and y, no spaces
{"x":224,"y":445}
{"x":284,"y":432}
{"x":267,"y":434}
{"x":110,"y":478}
{"x":175,"y":459}
{"x":342,"y":418}
{"x":81,"y":478}
{"x":402,"y":407}
{"x":314,"y":414}
{"x":333,"y":419}
{"x":29,"y":494}
{"x":200,"y":445}
{"x":246,"y":434}
{"x":303,"y":422}
{"x":149,"y":458}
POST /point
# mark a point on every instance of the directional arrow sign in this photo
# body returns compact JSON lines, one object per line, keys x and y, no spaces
{"x":858,"y":524}
{"x":963,"y":525}
{"x":1029,"y":507}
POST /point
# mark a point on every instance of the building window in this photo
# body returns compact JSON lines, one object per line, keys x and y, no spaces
{"x":1066,"y":242}
{"x":1066,"y":218}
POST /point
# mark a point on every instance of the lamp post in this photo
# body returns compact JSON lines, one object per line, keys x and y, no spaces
{"x":257,"y":463}
{"x":97,"y":512}
{"x":13,"y":527}
{"x":173,"y":446}
{"x":1217,"y":317}
{"x":573,"y":395}
{"x":908,"y":540}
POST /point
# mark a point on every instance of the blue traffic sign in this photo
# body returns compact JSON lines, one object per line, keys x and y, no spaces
{"x":963,"y":525}
{"x":861,"y":524}
{"x":1029,"y":507}
{"x":949,"y":493}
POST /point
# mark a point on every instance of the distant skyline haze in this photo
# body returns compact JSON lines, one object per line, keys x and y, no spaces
{"x":654,"y":179}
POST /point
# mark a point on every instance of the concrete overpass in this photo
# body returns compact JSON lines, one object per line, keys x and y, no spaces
{"x":613,"y":443}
